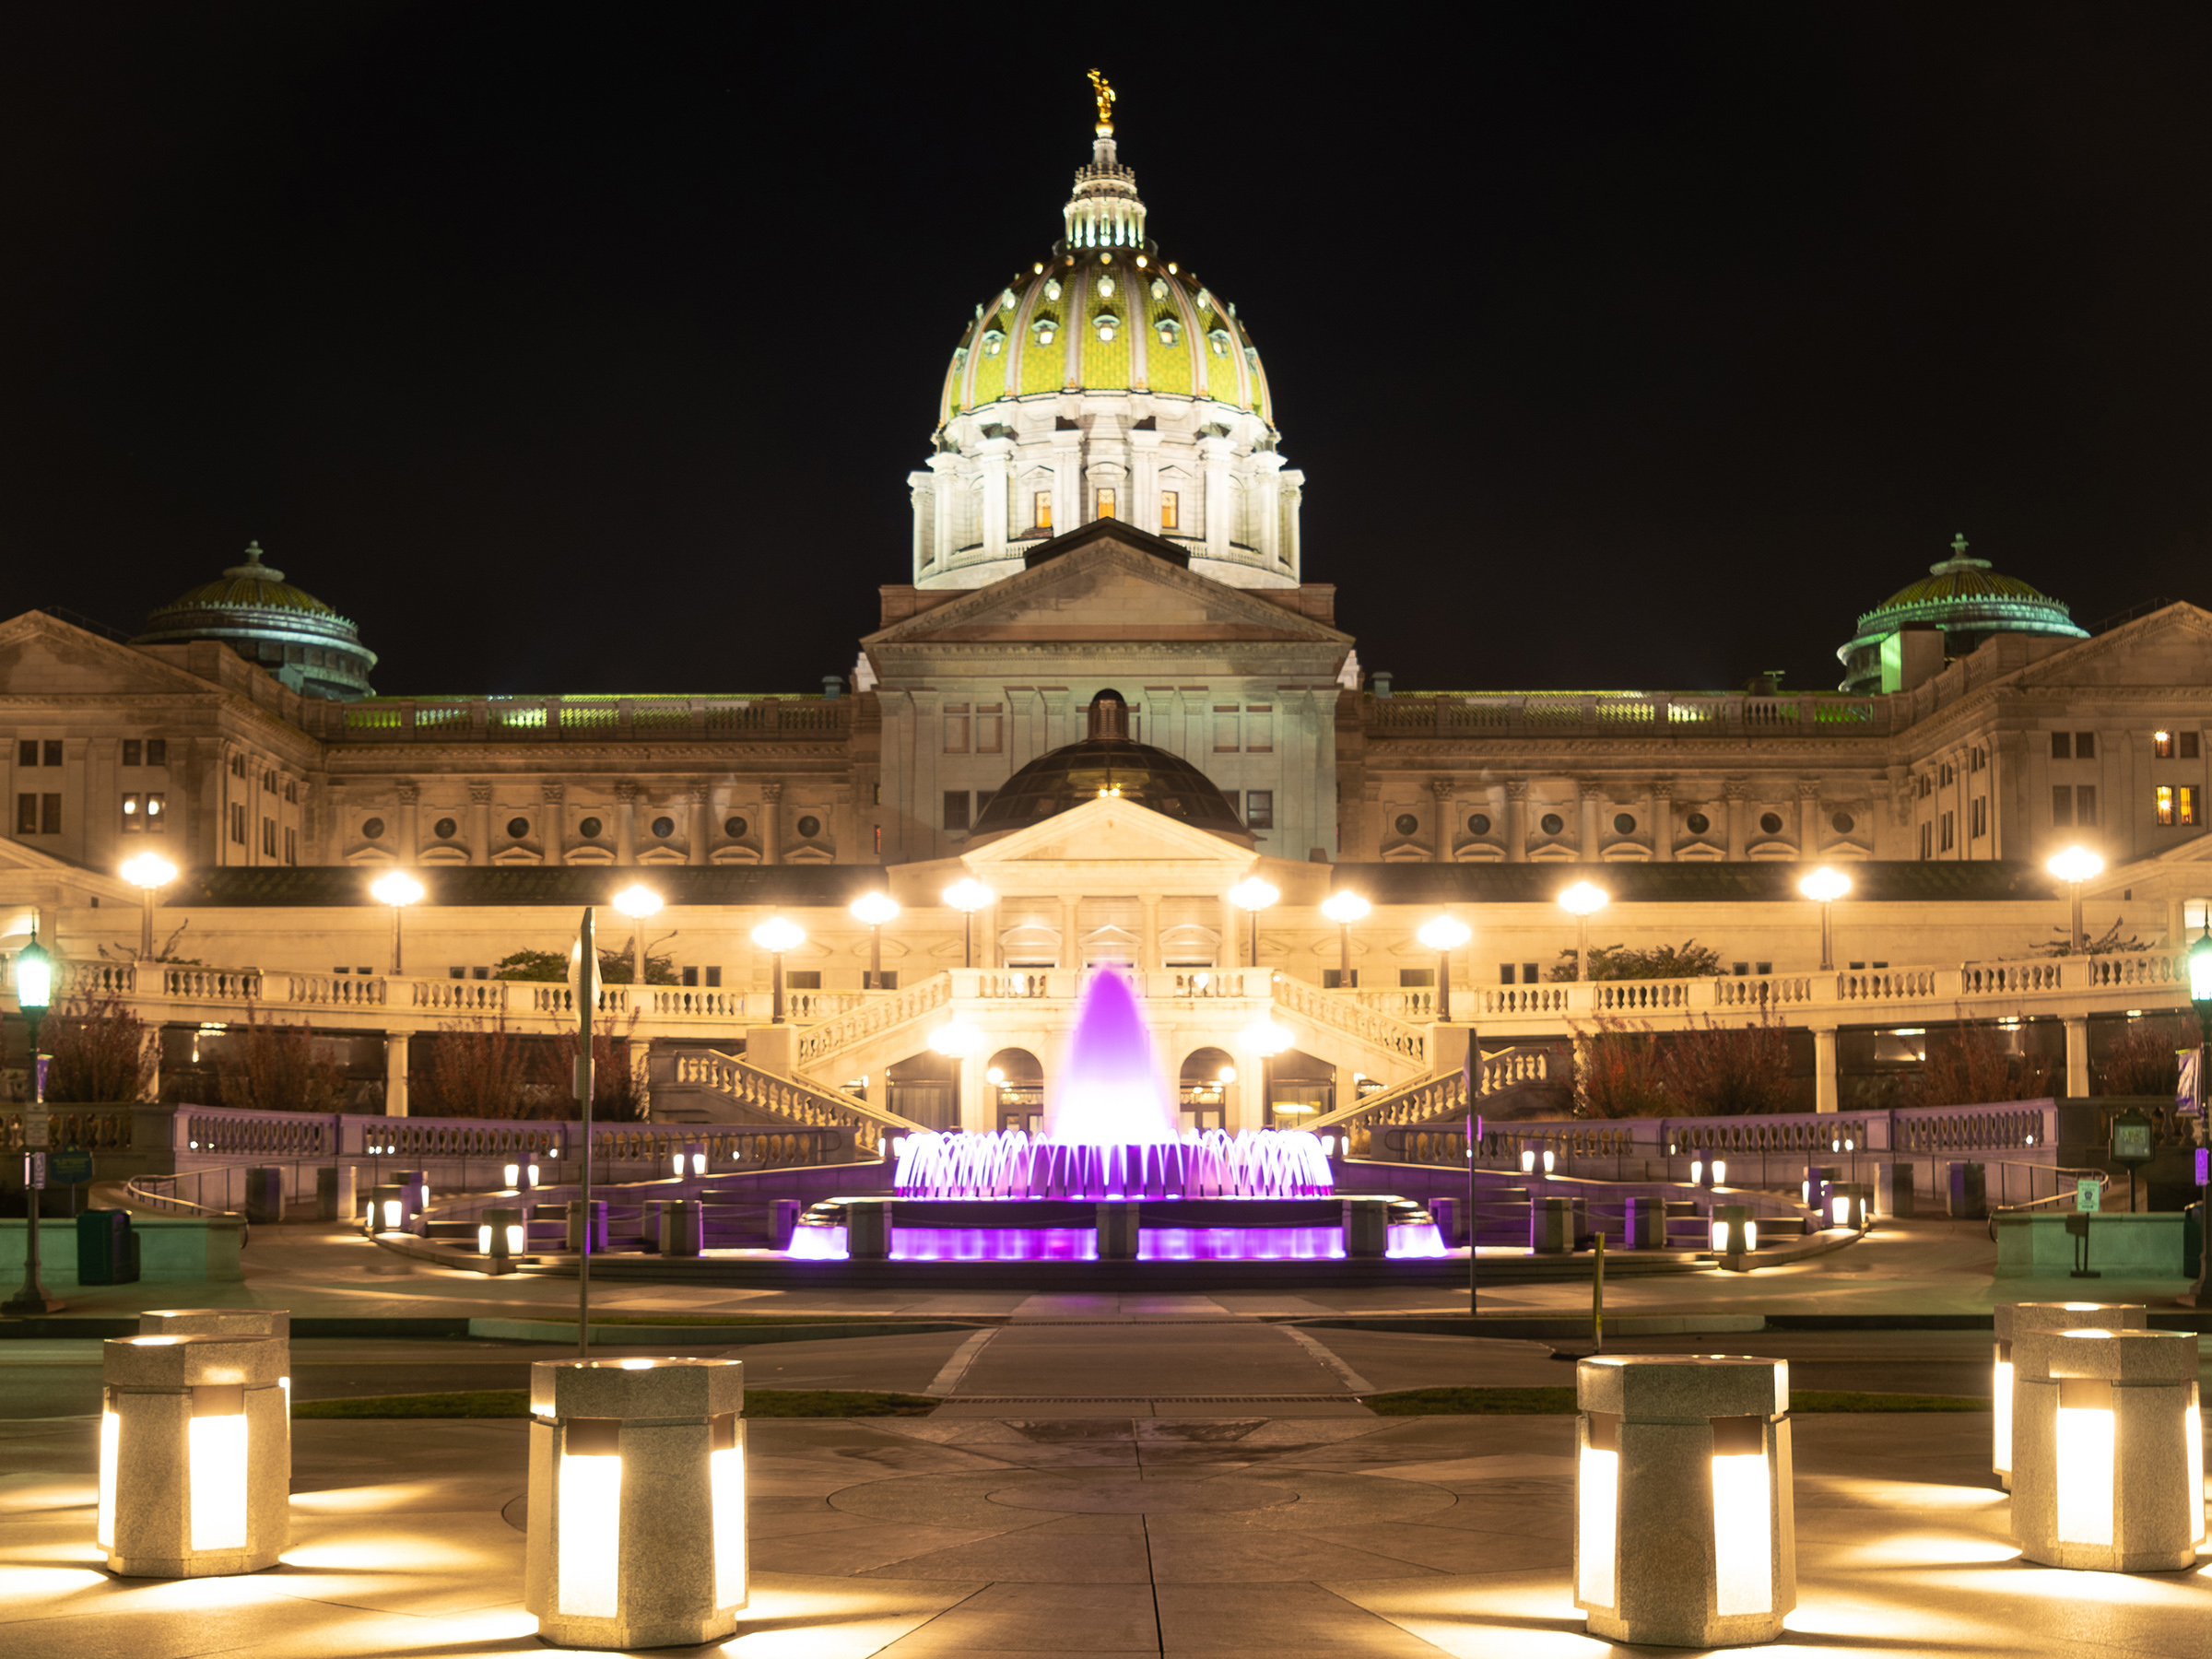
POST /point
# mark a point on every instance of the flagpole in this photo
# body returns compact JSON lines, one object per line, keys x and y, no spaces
{"x":587,"y":993}
{"x":1473,"y":1073}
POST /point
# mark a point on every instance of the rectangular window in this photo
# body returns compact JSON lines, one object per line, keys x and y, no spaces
{"x":1927,"y":840}
{"x":268,"y":838}
{"x":27,"y":814}
{"x":1259,"y":728}
{"x":133,"y":814}
{"x":956,"y":728}
{"x":956,"y":810}
{"x":53,"y":751}
{"x":1259,"y":809}
{"x":2062,"y":746}
{"x":237,"y":766}
{"x":2188,"y":743}
{"x":1416,"y":979}
{"x":1167,"y":509}
{"x":1105,"y":503}
{"x":291,"y":790}
{"x":990,"y":728}
{"x":1332,"y":978}
{"x":1948,"y":825}
{"x":2062,"y":804}
{"x":2165,"y":803}
{"x":157,"y":751}
{"x":1225,"y":728}
{"x":1505,"y":974}
{"x":2085,"y":805}
{"x":291,"y":856}
{"x":238,"y":822}
{"x":1979,"y":826}
{"x":713,"y":979}
{"x":887,"y":980}
{"x":1041,"y":514}
{"x":268,"y":783}
{"x":2162,"y":745}
{"x":50,"y":815}
{"x":157,"y":813}
{"x":1943,"y":775}
{"x":1528,"y":974}
{"x":803,"y":979}
{"x":983,"y":799}
{"x":133,"y":751}
{"x":2085,"y":746}
{"x":27,"y":752}
{"x":690,"y":976}
{"x":2184,"y":804}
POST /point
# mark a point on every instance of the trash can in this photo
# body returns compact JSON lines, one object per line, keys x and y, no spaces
{"x":107,"y":1248}
{"x":1893,"y":1190}
{"x":1366,"y":1227}
{"x":265,"y":1195}
{"x":575,"y":1239}
{"x":1970,"y":1192}
{"x":1552,"y":1227}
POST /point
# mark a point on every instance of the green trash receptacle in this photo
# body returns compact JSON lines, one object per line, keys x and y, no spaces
{"x":107,"y":1248}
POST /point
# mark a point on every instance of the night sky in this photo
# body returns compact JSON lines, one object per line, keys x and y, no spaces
{"x":588,"y":349}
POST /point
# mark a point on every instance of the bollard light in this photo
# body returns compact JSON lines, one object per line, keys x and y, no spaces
{"x":1847,"y":1203}
{"x":1528,"y":1161}
{"x":1547,"y":1160}
{"x":530,"y":1171}
{"x":511,"y":1177}
{"x":636,"y":1502}
{"x":1661,"y":1556}
{"x":2015,"y":1320}
{"x":1735,"y":1236}
{"x":195,"y":1455}
{"x":1697,"y":1171}
{"x":1720,"y":1172}
{"x":2108,"y":1449}
{"x":502,"y":1236}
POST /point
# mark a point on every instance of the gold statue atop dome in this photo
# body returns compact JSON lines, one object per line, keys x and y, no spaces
{"x":1104,"y":94}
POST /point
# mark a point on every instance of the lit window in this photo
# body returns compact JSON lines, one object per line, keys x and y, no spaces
{"x":2162,"y":745}
{"x":1042,"y":516}
{"x":1105,"y":503}
{"x":133,"y":814}
{"x":2184,"y":804}
{"x":1167,"y":510}
{"x":157,"y":814}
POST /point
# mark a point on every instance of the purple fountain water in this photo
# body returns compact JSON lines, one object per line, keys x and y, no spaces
{"x":1112,"y":1094}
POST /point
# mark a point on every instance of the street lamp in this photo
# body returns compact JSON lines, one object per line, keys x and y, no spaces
{"x":1268,"y":1040}
{"x":2074,"y":866}
{"x":2200,"y":997}
{"x":34,"y":991}
{"x":1444,"y":935}
{"x":636,"y":903}
{"x":1252,"y":895}
{"x":776,"y":936}
{"x":1824,"y":887}
{"x":1344,"y":909}
{"x":1582,"y":902}
{"x":875,"y":909}
{"x":967,"y":895}
{"x":398,"y":890}
{"x":146,"y":872}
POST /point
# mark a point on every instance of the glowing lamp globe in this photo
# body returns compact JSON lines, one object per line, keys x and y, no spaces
{"x":2200,"y":970}
{"x":1344,"y":909}
{"x":968,"y":894}
{"x":395,"y":887}
{"x":779,"y":934}
{"x":873,"y":910}
{"x":1583,"y":899}
{"x":34,"y":976}
{"x":1825,"y":885}
{"x":1264,"y":1037}
{"x":1444,"y":933}
{"x":149,"y":870}
{"x":2075,"y":864}
{"x":1253,"y":894}
{"x":638,"y":902}
{"x":956,"y":1040}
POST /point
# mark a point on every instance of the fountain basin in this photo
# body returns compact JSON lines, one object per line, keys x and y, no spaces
{"x":1011,"y":1164}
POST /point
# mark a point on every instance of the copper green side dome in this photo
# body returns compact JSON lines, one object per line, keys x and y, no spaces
{"x":251,"y":608}
{"x":1107,"y":763}
{"x":1964,"y":597}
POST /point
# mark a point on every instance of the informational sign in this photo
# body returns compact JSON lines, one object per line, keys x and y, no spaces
{"x":37,"y":1128}
{"x":2204,"y":1165}
{"x":2088,"y":1196}
{"x":73,"y":1167}
{"x":2131,"y":1138}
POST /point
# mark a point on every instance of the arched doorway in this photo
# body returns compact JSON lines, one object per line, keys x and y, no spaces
{"x":1016,"y":1083}
{"x":1202,"y":1089}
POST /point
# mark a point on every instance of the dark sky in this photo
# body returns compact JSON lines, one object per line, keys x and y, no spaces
{"x":575,"y":348}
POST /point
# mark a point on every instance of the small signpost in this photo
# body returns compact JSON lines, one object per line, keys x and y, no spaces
{"x":2131,"y":1145}
{"x":2088,"y":1196}
{"x":71,"y":1169}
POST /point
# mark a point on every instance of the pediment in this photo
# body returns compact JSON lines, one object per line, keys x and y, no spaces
{"x":44,"y":656}
{"x":1107,"y":832}
{"x":2170,"y":647}
{"x":1106,"y":591}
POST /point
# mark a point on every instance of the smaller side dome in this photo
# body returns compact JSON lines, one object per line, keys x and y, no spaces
{"x":252,"y":609}
{"x":1967,"y":600}
{"x":1106,"y":763}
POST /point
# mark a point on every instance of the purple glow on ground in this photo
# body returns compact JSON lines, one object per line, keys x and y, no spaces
{"x":1081,"y":1243}
{"x":1113,"y":1095}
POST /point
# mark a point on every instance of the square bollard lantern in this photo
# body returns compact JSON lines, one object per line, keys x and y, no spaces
{"x":2015,"y":1320}
{"x":389,"y":1210}
{"x":1685,"y":1529}
{"x":195,"y":1455}
{"x":1734,"y":1234}
{"x":502,"y":1236}
{"x":2108,"y":1451}
{"x":273,"y":1323}
{"x":636,"y":1502}
{"x":1847,"y":1205}
{"x":690,"y":1159}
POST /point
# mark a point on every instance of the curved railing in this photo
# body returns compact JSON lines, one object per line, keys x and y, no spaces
{"x":1337,"y":1013}
{"x":882,"y":1011}
{"x":794,"y":1100}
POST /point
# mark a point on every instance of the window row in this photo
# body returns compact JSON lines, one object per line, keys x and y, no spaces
{"x":38,"y":814}
{"x":29,"y":751}
{"x":2173,"y":745}
{"x":976,"y":729}
{"x":136,"y":751}
{"x":1106,"y":504}
{"x":145,"y":813}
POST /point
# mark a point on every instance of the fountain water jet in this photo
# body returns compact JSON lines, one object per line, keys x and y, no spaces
{"x":1113,"y":1094}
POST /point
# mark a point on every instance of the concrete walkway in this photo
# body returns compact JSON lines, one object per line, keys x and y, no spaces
{"x":1244,"y":1536}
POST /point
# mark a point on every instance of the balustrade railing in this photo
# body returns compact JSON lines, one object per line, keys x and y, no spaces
{"x":878,"y":1012}
{"x":1618,"y":712}
{"x":1339,"y":1013}
{"x":794,"y":1100}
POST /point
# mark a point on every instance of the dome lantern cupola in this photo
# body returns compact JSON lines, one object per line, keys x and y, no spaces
{"x":1105,"y":211}
{"x":1963,"y":597}
{"x":252,"y":609}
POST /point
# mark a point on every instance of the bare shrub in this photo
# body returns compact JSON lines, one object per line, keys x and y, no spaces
{"x":478,"y":1069}
{"x":2143,"y":1056}
{"x":1730,"y":1071}
{"x":619,"y":1091}
{"x":1619,"y":1072}
{"x":98,"y":1050}
{"x":1976,"y":1062}
{"x":269,"y":1067}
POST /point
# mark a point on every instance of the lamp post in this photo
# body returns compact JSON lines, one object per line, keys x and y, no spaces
{"x":2074,"y":866}
{"x":1582,"y":902}
{"x":1824,"y":887}
{"x":636,"y":903}
{"x":1268,"y":1040}
{"x":776,"y":936}
{"x":1444,"y":935}
{"x":875,"y":909}
{"x":398,"y":890}
{"x":1344,"y":909}
{"x":2200,"y":998}
{"x":147,"y":872}
{"x":34,"y":991}
{"x":967,"y":895}
{"x":1252,"y":895}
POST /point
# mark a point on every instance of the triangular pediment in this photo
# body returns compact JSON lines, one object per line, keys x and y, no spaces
{"x":1107,"y":832}
{"x":2170,"y":647}
{"x":1106,"y":590}
{"x":43,"y":655}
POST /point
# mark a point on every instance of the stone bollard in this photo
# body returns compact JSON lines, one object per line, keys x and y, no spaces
{"x":338,"y":1192}
{"x":1968,"y":1192}
{"x":2015,"y":1320}
{"x":1552,"y":1227}
{"x":1734,"y":1235}
{"x":782,"y":1222}
{"x":1118,"y":1228}
{"x":636,"y":1534}
{"x":682,"y":1227}
{"x":1684,"y":1528}
{"x":2108,"y":1451}
{"x":1847,"y":1203}
{"x":869,"y":1228}
{"x":276,"y":1323}
{"x":195,"y":1455}
{"x":265,"y":1195}
{"x":575,"y":1240}
{"x":1366,"y":1228}
{"x":1643,"y":1224}
{"x":388,"y":1209}
{"x":1893,"y":1191}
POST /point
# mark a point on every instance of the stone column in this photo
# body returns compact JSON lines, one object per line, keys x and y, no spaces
{"x":772,"y":823}
{"x":700,"y":793}
{"x":1663,"y":821}
{"x":1071,"y":949}
{"x":1732,"y":791}
{"x":978,"y":1100}
{"x":395,"y":1073}
{"x":626,"y":823}
{"x":1447,"y":819}
{"x":1516,"y":821}
{"x":946,"y":468}
{"x":1267,"y":504}
{"x":921,"y":488}
{"x":1824,"y":1069}
{"x":1592,"y":796}
{"x":992,"y":455}
{"x":1808,"y":818}
{"x":1231,"y":955}
{"x":1214,"y":453}
{"x":553,"y":832}
{"x":1067,"y":474}
{"x":410,"y":811}
{"x":2077,"y":1056}
{"x":479,"y":823}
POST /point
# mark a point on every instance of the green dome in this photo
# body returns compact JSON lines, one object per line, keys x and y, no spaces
{"x":1965,"y":598}
{"x":251,"y":608}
